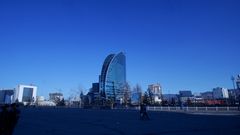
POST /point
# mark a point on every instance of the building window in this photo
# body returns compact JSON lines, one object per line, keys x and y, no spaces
{"x":27,"y":94}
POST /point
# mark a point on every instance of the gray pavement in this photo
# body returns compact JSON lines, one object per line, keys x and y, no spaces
{"x":35,"y":121}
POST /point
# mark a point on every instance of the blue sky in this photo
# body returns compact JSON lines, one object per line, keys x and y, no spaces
{"x":182,"y":44}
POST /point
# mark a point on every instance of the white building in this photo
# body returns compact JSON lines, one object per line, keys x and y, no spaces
{"x":155,"y":91}
{"x":25,"y":94}
{"x":42,"y":102}
{"x":46,"y":103}
{"x":40,"y":98}
{"x":55,"y":97}
{"x":220,"y":93}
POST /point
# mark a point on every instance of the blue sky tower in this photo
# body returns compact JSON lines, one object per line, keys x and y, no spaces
{"x":113,"y":76}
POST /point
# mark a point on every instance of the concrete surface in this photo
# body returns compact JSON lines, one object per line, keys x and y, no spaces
{"x":36,"y":121}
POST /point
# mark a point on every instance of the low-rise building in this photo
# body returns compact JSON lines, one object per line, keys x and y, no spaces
{"x":56,"y":97}
{"x":25,"y":94}
{"x":186,"y":96}
{"x":94,"y":94}
{"x":6,"y":96}
{"x":155,"y":93}
{"x":185,"y":93}
{"x":42,"y":102}
{"x":171,"y":99}
{"x":220,"y":93}
{"x":208,"y":95}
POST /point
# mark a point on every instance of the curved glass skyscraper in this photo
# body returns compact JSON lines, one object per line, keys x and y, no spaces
{"x":113,"y":76}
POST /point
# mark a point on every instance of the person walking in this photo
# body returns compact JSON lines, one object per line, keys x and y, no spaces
{"x":143,"y":112}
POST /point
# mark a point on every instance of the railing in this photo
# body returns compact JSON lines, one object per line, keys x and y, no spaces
{"x":168,"y":108}
{"x":159,"y":108}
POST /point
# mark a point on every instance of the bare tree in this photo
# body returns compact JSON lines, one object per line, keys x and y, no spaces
{"x":138,"y":90}
{"x":151,"y":96}
{"x":72,"y":93}
{"x":77,"y":92}
{"x":80,"y":89}
{"x":146,"y":98}
{"x":126,"y":93}
{"x":77,"y":95}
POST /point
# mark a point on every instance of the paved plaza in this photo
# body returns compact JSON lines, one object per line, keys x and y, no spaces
{"x":67,"y":121}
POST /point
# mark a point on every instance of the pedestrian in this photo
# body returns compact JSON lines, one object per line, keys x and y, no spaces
{"x":143,"y":112}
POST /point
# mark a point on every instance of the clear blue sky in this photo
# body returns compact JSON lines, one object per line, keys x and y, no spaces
{"x":182,"y":44}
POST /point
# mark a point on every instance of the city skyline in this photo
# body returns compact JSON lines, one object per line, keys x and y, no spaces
{"x":183,"y":45}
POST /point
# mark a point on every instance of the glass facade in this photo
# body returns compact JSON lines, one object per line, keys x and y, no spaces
{"x":5,"y":96}
{"x":113,"y":76}
{"x":238,"y":84}
{"x":27,"y":94}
